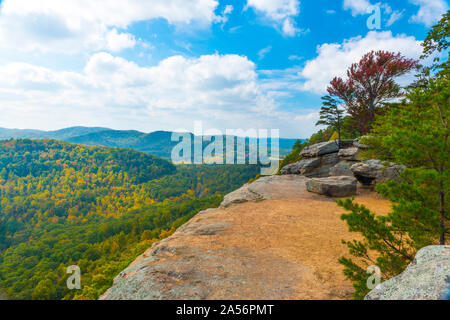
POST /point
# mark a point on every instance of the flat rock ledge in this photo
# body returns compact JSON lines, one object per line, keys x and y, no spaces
{"x":265,"y":188}
{"x":426,"y":278}
{"x":341,"y":186}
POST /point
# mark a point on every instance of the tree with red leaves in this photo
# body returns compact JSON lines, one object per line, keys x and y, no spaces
{"x":369,"y":84}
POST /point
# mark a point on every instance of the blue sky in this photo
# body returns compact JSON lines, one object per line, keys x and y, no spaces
{"x":163,"y":64}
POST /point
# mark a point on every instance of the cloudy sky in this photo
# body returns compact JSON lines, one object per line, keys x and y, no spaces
{"x":163,"y":64}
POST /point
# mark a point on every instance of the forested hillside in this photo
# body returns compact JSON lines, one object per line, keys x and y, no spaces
{"x":158,"y":143}
{"x":97,"y":207}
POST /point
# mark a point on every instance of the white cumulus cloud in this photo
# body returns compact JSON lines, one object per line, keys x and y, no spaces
{"x":280,"y":12}
{"x":430,"y":11}
{"x":223,"y":91}
{"x":119,"y":41}
{"x":357,"y":7}
{"x":74,"y":25}
{"x":334,"y":59}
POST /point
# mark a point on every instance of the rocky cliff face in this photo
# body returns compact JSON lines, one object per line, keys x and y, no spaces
{"x":269,"y":240}
{"x":426,"y":278}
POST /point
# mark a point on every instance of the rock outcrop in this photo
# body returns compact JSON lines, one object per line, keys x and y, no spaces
{"x":320,"y":149}
{"x":342,"y":169}
{"x":342,"y":186}
{"x":350,"y":154}
{"x":313,"y":167}
{"x":426,"y":278}
{"x":326,"y":159}
{"x":376,"y":171}
{"x":281,"y":242}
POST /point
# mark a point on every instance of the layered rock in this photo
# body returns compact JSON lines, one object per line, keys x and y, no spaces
{"x":313,"y":167}
{"x":342,"y":169}
{"x":426,"y":278}
{"x":326,"y":159}
{"x":337,"y":187}
{"x":376,"y":171}
{"x":350,"y":154}
{"x":320,"y":149}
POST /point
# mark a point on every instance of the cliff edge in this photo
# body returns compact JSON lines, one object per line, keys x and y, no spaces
{"x":269,"y":240}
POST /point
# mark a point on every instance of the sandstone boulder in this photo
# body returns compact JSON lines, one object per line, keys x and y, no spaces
{"x":426,"y":278}
{"x":313,"y":167}
{"x":350,"y":154}
{"x":341,"y":186}
{"x":301,"y":166}
{"x":376,"y":171}
{"x":320,"y":149}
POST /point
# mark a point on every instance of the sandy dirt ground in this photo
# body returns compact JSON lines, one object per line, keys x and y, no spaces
{"x":285,"y":247}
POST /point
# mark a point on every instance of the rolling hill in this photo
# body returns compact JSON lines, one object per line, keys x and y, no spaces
{"x":158,"y":143}
{"x":97,"y":207}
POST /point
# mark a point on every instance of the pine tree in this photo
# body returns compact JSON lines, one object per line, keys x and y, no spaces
{"x":414,"y":133}
{"x":331,"y":115}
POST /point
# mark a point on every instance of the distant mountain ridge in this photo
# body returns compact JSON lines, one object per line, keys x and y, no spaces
{"x":158,"y":142}
{"x":61,"y":134}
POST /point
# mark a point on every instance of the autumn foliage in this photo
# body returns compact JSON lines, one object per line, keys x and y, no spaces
{"x":369,"y":84}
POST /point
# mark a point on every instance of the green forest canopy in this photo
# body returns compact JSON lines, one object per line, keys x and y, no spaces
{"x":97,"y":207}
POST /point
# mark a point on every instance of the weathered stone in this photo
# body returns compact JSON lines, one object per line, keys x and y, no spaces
{"x":290,"y":169}
{"x":266,"y":188}
{"x":314,"y":167}
{"x":212,"y":229}
{"x":342,"y":169}
{"x":375,"y":171}
{"x":320,"y":149}
{"x":342,"y":186}
{"x":350,"y":154}
{"x":426,"y":278}
{"x":301,"y":166}
{"x":241,"y":195}
{"x":326,"y":163}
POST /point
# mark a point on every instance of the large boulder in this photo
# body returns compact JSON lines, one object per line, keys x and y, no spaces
{"x":376,"y":171}
{"x":320,"y":149}
{"x":313,"y":167}
{"x":426,"y":278}
{"x":333,"y":186}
